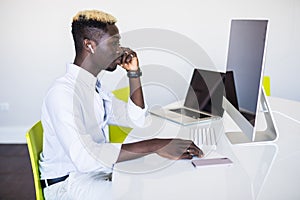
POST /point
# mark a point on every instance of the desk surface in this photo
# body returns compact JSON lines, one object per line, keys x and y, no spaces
{"x":260,"y":171}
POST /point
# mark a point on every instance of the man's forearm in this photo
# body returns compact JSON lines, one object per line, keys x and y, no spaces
{"x":136,"y":150}
{"x":136,"y":92}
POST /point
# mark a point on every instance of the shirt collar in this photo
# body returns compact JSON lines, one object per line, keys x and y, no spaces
{"x":82,"y":75}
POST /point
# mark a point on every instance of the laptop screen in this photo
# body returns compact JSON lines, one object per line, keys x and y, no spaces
{"x":206,"y":92}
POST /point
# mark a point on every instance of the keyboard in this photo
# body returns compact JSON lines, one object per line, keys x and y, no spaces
{"x":204,"y":136}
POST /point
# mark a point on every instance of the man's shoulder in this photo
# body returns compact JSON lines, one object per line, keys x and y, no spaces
{"x":61,"y":87}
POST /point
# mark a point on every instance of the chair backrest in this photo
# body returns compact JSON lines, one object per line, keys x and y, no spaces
{"x":122,"y":93}
{"x":117,"y":134}
{"x":34,"y":138}
{"x":267,"y":85}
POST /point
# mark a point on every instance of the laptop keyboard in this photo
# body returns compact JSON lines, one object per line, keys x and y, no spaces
{"x":189,"y":113}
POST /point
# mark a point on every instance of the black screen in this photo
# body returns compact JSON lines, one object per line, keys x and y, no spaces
{"x":206,"y":92}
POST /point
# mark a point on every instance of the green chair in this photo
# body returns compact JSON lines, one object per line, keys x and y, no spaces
{"x":117,"y":134}
{"x":34,"y":138}
{"x":267,"y":85}
{"x":122,"y":93}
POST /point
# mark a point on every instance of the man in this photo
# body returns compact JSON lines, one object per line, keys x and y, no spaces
{"x":77,"y":157}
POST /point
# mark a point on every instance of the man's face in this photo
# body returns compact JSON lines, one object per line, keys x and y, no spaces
{"x":108,"y":49}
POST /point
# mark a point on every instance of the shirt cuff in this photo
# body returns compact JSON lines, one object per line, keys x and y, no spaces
{"x":94,"y":156}
{"x":110,"y":154}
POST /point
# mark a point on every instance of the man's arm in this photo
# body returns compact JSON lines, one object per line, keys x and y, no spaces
{"x":173,"y":149}
{"x":169,"y":148}
{"x":130,"y":63}
{"x":136,"y":92}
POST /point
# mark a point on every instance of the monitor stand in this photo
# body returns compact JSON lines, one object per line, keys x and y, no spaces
{"x":265,"y":126}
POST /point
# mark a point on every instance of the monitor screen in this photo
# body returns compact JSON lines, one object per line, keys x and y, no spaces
{"x":230,"y":89}
{"x":245,"y":61}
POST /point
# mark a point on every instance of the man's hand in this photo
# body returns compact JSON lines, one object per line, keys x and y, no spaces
{"x":128,"y":59}
{"x":176,"y":149}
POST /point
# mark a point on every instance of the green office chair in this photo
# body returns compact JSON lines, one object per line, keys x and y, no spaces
{"x":117,"y":134}
{"x":267,"y":85}
{"x":122,"y":93}
{"x":34,"y":138}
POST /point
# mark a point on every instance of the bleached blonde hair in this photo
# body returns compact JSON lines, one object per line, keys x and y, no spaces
{"x":95,"y":15}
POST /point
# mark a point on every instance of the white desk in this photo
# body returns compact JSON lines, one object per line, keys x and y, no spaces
{"x":265,"y":171}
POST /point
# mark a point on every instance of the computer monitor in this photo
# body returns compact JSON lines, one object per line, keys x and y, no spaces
{"x":244,"y":93}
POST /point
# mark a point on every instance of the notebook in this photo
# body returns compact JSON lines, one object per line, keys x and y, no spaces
{"x":203,"y":100}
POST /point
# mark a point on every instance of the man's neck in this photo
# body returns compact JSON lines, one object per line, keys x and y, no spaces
{"x":85,"y":64}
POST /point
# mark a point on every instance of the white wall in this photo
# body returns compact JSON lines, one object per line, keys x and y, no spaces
{"x":36,"y":43}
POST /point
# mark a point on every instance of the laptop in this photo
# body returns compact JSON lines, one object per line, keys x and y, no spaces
{"x":203,"y":100}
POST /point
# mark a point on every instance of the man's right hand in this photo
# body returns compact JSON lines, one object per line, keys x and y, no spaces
{"x":174,"y":149}
{"x":128,"y":59}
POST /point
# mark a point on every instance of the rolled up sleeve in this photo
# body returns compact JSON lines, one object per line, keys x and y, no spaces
{"x":136,"y":113}
{"x":126,"y":114}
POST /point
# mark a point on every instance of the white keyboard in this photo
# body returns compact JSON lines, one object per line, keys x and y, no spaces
{"x":204,"y":136}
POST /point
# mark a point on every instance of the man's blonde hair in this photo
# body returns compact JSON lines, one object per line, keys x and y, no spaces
{"x":95,"y":15}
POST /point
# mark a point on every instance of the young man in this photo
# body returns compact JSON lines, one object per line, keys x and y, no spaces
{"x":77,"y":157}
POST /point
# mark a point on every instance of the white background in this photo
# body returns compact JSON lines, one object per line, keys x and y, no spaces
{"x":36,"y":43}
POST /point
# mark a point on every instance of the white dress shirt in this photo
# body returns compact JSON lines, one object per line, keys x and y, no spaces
{"x":75,"y":120}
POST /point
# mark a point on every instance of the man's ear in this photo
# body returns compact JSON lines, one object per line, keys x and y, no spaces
{"x":89,"y":46}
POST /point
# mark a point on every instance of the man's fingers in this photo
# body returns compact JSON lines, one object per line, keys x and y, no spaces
{"x":124,"y":57}
{"x":130,"y":56}
{"x":127,"y":55}
{"x":196,"y":149}
{"x":186,"y":156}
{"x":195,"y":152}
